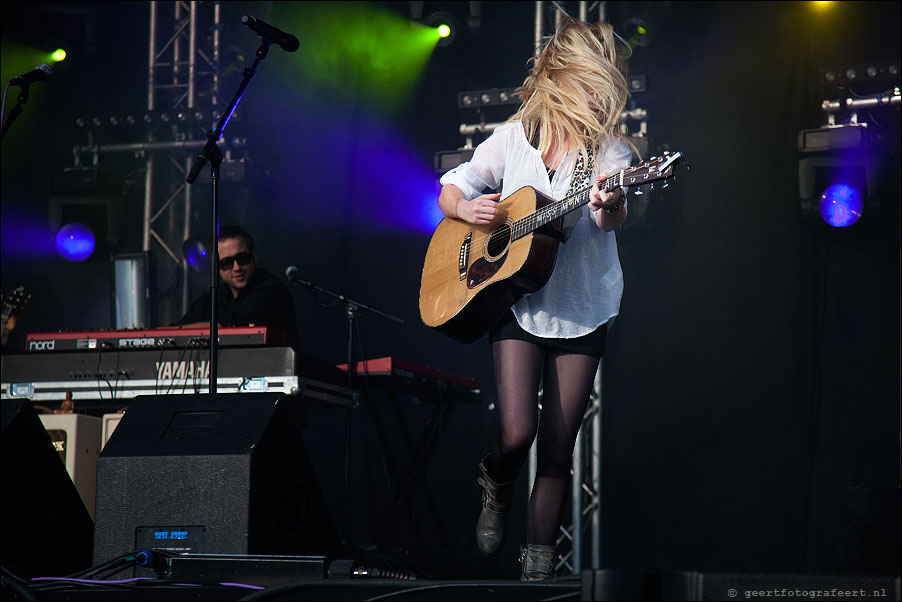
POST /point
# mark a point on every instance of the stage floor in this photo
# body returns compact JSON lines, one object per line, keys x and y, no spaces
{"x":326,"y":589}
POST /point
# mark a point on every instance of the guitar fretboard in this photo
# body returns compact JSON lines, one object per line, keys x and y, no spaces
{"x":552,"y":211}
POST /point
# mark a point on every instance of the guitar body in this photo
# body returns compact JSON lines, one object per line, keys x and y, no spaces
{"x":473,"y":274}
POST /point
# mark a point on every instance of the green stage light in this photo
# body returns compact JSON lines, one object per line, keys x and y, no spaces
{"x":444,"y":24}
{"x":58,"y":55}
{"x":355,"y":48}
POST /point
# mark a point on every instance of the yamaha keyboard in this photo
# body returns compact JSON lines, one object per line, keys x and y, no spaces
{"x":110,"y":377}
{"x":154,"y":338}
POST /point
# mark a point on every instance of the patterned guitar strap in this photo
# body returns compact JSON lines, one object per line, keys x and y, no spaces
{"x":582,"y":178}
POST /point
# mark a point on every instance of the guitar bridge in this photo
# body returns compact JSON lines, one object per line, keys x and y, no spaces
{"x":464,"y":258}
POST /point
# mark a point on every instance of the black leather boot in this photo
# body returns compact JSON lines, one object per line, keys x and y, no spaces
{"x":537,"y":562}
{"x":491,"y":528}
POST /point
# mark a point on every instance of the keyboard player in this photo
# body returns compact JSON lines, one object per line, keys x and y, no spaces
{"x":250,"y":295}
{"x":253,"y":297}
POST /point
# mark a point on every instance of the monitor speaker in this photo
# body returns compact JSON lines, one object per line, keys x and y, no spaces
{"x":47,"y":530}
{"x":210,"y":474}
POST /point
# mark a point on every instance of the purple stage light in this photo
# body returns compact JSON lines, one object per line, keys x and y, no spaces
{"x":75,"y":242}
{"x":841,"y":205}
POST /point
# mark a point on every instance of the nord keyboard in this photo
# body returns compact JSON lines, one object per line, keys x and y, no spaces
{"x":154,"y":338}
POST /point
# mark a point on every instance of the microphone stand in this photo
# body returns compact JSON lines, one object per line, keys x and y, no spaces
{"x":212,"y":154}
{"x":21,"y":99}
{"x":353,"y":310}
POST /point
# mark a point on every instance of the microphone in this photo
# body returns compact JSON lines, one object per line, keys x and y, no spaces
{"x":40,"y":73}
{"x":288,"y":42}
{"x":293,"y":275}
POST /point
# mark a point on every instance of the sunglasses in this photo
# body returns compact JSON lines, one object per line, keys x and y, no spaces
{"x":242,"y":258}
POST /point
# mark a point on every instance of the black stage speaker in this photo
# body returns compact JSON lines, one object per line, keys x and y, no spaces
{"x":210,"y":474}
{"x":47,"y":530}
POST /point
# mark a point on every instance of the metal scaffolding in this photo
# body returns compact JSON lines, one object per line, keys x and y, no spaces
{"x":183,"y":77}
{"x":579,"y":540}
{"x":175,"y":64}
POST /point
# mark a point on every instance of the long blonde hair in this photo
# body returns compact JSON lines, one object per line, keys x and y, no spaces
{"x":576,"y":89}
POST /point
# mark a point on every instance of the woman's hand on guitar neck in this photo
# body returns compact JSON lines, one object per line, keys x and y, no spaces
{"x":610,"y":203}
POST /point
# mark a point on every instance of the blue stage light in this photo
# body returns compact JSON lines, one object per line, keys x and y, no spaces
{"x":841,"y":205}
{"x":196,"y":257}
{"x":75,"y":242}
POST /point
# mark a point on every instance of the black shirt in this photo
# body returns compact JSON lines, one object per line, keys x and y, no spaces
{"x":265,"y":301}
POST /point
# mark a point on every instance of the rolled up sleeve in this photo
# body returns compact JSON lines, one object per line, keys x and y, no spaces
{"x":485,"y":169}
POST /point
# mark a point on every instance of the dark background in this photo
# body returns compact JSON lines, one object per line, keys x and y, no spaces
{"x":751,"y":397}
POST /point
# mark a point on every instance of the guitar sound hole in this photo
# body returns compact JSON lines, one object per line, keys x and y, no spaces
{"x":499,"y":241}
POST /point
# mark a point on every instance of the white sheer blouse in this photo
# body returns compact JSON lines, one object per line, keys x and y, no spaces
{"x":585,"y":288}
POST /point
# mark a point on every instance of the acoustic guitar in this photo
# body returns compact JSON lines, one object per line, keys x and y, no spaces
{"x":473,"y":274}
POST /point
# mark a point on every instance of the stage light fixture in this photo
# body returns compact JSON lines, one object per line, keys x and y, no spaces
{"x":445,"y":26}
{"x":636,"y":83}
{"x":75,"y":242}
{"x":839,"y":174}
{"x":485,"y":98}
{"x":884,"y":73}
{"x":195,"y":254}
{"x":637,"y":32}
{"x":841,"y":205}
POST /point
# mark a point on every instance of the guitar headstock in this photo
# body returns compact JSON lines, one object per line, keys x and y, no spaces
{"x":15,"y":301}
{"x":652,"y":169}
{"x":12,"y":307}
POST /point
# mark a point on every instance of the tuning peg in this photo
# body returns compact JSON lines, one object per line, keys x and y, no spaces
{"x":638,"y":191}
{"x":665,"y":184}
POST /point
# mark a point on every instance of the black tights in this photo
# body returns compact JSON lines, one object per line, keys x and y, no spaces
{"x":567,"y":383}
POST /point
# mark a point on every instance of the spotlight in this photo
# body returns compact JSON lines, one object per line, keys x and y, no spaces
{"x":195,"y":254}
{"x":636,"y":83}
{"x":445,"y":26}
{"x":637,"y":32}
{"x":839,"y":174}
{"x":75,"y":242}
{"x":58,"y":55}
{"x":841,"y":205}
{"x":879,"y":73}
{"x":484,"y":98}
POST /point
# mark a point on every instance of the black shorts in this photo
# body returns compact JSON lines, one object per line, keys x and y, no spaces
{"x":590,"y":344}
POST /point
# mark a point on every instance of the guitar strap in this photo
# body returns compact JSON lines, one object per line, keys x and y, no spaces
{"x":582,"y":178}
